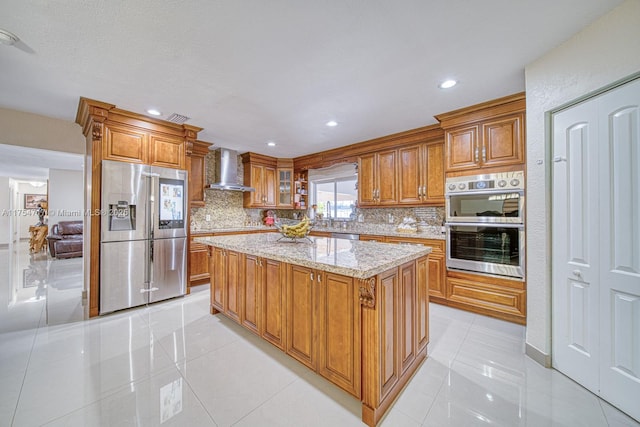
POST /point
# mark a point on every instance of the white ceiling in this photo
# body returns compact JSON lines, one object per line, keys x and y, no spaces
{"x":253,"y":71}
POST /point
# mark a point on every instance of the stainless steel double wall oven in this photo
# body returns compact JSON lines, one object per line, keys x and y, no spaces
{"x":485,"y":223}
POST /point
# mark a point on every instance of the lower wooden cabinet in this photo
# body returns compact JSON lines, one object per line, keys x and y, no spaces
{"x":198,"y":263}
{"x":492,"y":296}
{"x":225,"y":282}
{"x":301,"y":300}
{"x":272,"y":302}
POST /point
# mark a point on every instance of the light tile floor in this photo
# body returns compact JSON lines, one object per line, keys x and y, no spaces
{"x":173,"y":363}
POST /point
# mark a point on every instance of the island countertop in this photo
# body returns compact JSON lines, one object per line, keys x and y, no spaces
{"x":353,"y":258}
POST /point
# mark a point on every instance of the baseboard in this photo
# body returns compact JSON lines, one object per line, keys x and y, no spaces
{"x":537,"y":355}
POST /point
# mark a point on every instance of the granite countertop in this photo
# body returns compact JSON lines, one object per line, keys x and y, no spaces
{"x":353,"y":258}
{"x":244,"y":229}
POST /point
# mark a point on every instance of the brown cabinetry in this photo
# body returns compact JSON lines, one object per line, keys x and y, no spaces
{"x":377,"y":178}
{"x":284,"y":197}
{"x":488,"y":135}
{"x":260,"y":173}
{"x":198,"y":263}
{"x":421,"y":174}
{"x":497,"y":297}
{"x":225,"y":282}
{"x":196,"y":166}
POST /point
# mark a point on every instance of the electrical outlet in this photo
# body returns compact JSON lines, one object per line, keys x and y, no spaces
{"x":208,"y":218}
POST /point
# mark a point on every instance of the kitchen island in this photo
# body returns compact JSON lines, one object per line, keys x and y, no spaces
{"x":355,"y":312}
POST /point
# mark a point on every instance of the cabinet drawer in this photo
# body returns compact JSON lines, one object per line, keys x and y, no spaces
{"x":501,"y":298}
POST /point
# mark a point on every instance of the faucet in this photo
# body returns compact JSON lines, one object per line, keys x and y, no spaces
{"x":328,"y":209}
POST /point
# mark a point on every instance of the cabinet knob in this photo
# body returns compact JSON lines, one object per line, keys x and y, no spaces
{"x":319,"y":277}
{"x":311,"y":275}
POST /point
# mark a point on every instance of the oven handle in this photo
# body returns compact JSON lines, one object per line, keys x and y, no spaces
{"x":483,"y":192}
{"x":485,"y":224}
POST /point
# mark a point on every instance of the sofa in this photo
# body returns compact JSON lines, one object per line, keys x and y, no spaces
{"x":65,"y":240}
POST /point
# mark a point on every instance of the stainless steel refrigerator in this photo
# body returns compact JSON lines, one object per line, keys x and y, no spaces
{"x":143,"y":235}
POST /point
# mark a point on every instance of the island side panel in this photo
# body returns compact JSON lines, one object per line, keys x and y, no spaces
{"x":394,"y":310}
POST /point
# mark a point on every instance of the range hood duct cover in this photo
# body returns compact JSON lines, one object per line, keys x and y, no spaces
{"x":226,"y":171}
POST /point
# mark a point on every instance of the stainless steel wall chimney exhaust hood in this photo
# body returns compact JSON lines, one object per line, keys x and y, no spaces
{"x":226,"y":171}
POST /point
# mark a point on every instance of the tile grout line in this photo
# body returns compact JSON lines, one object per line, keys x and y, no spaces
{"x":26,"y":369}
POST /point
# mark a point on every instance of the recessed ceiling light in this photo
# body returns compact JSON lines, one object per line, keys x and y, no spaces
{"x":8,"y":38}
{"x":332,"y":123}
{"x":154,"y":112}
{"x":271,"y":144}
{"x":447,"y":84}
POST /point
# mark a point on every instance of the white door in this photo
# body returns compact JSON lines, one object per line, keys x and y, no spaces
{"x":596,"y":245}
{"x":620,"y":251}
{"x":575,"y":245}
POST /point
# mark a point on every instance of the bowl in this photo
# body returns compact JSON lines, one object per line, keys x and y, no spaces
{"x":300,"y":230}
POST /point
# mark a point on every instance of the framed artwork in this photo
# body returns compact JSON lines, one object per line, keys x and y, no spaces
{"x":31,"y":201}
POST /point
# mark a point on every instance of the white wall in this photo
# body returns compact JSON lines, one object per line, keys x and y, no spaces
{"x":602,"y":53}
{"x":66,"y":195}
{"x":5,"y":206}
{"x":35,"y":131}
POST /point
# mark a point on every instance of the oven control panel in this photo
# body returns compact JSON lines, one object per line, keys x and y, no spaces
{"x":499,"y":182}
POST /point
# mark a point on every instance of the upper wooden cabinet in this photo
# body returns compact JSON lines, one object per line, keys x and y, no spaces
{"x":487,"y":135}
{"x":421,"y":174}
{"x":377,"y":178}
{"x":197,"y":168}
{"x":284,"y":185}
{"x":260,"y":172}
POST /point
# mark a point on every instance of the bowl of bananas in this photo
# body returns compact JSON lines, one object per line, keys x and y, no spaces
{"x":294,"y":232}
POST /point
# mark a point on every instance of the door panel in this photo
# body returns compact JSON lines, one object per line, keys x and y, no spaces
{"x":620,"y":271}
{"x":124,"y":202}
{"x":273,"y":303}
{"x":233,"y":297}
{"x":575,"y":236}
{"x":300,"y":315}
{"x":169,"y":270}
{"x":339,"y":329}
{"x":251,"y":293}
{"x":122,"y":275}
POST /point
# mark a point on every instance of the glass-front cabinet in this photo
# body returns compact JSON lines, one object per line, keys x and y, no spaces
{"x":285,"y":183}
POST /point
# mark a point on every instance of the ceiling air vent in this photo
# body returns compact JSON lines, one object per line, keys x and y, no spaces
{"x":177,"y":118}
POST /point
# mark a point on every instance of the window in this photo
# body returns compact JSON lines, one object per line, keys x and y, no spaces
{"x":336,"y":198}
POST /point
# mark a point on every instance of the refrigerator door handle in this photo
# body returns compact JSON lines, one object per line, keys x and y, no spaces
{"x":151,"y":174}
{"x":144,"y":291}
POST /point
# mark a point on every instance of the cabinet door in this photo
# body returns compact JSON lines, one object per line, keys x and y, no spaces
{"x":408,"y":309}
{"x":503,"y":142}
{"x":285,"y":188}
{"x":269,"y":186}
{"x":273,"y":303}
{"x":387,"y":170}
{"x":167,"y":152}
{"x":232,"y":291}
{"x":198,"y":263}
{"x":125,"y":144}
{"x":256,"y":179}
{"x":251,"y":284}
{"x":197,"y":180}
{"x":300,"y":315}
{"x":218,"y":278}
{"x":339,"y":331}
{"x":389,"y":308}
{"x":463,"y":150}
{"x":423,"y":273}
{"x":366,"y":180}
{"x":434,"y":162}
{"x":410,"y":175}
